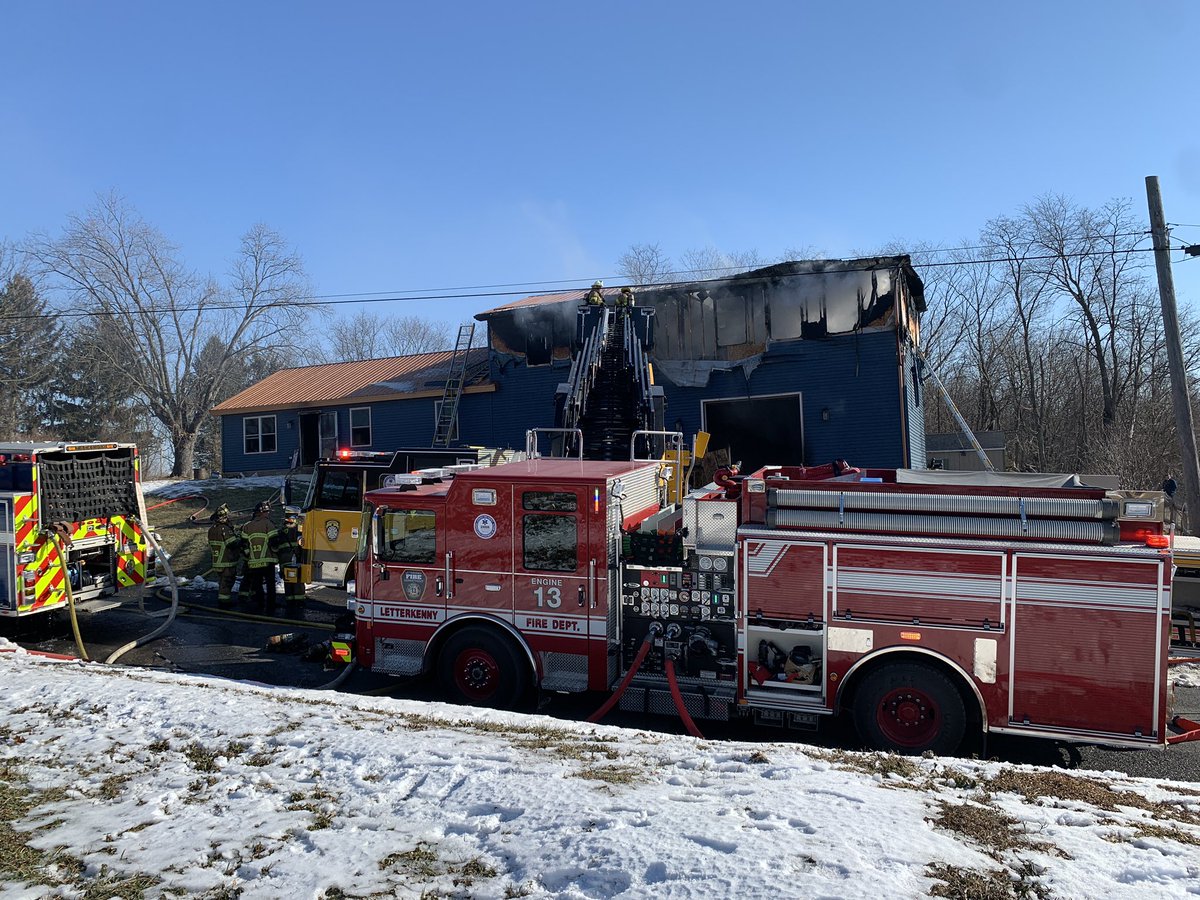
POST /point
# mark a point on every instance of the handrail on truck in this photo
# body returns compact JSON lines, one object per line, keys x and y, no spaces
{"x":676,"y":444}
{"x":531,"y":440}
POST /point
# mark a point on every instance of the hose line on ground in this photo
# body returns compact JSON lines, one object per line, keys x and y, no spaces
{"x":158,"y":550}
{"x":333,"y":685}
{"x":62,"y":561}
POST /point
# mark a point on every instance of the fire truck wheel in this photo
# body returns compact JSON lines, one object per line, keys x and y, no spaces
{"x":480,"y":668}
{"x":909,"y":708}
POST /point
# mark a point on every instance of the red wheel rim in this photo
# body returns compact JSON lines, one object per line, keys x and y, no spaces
{"x":908,"y":717}
{"x":476,"y":673}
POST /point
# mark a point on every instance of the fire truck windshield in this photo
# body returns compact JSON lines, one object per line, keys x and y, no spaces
{"x":16,"y":476}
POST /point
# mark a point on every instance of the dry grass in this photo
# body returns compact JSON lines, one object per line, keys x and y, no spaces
{"x":991,"y":828}
{"x":969,"y":884}
{"x":187,"y":542}
{"x":1037,"y":786}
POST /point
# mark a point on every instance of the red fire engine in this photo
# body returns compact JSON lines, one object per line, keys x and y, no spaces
{"x":927,"y":609}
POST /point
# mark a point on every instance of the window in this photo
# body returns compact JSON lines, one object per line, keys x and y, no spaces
{"x":258,"y":434}
{"x":550,"y":541}
{"x":549,"y":501}
{"x":340,"y":489}
{"x":408,"y":536}
{"x":360,"y":426}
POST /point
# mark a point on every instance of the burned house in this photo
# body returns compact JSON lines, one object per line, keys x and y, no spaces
{"x":796,"y":362}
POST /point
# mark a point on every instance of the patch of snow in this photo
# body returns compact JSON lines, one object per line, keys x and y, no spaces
{"x":170,"y":488}
{"x":228,"y":788}
{"x":1185,"y":675}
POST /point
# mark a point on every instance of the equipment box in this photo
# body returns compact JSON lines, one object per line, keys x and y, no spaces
{"x":786,"y":659}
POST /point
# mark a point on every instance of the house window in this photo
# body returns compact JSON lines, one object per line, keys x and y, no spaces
{"x":258,"y":434}
{"x":360,"y":426}
{"x":437,"y":413}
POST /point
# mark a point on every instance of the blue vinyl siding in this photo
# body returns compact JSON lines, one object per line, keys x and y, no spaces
{"x":855,"y":377}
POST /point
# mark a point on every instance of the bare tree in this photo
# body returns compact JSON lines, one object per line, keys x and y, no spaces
{"x":112,"y":262}
{"x":709,"y":262}
{"x":368,"y":336}
{"x":644,"y":264}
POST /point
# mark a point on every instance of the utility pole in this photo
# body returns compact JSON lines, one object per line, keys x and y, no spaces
{"x":1180,"y":397}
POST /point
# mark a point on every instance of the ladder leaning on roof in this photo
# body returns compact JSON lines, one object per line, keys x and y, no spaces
{"x":455,"y":379}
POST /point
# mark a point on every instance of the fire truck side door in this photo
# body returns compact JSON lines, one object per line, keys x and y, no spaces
{"x":481,"y":538}
{"x":408,"y":578}
{"x":559,"y":584}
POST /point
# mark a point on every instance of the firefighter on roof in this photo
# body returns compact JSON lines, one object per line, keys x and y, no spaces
{"x":595,"y":296}
{"x":625,"y":298}
{"x":226,"y":546}
{"x":285,"y":545}
{"x":260,"y":562}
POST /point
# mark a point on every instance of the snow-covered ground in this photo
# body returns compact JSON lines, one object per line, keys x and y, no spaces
{"x":124,"y":778}
{"x":169,"y":488}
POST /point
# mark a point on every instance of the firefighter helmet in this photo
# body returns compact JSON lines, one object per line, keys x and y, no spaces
{"x":596,"y":285}
{"x":222,"y":513}
{"x":263,"y":508}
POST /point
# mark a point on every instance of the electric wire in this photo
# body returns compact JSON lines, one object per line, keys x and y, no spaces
{"x":311,"y":301}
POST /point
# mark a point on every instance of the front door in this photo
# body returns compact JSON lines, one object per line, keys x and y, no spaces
{"x":327,"y":429}
{"x":559,"y":584}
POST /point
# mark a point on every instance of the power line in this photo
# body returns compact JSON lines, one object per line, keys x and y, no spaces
{"x":445,"y":295}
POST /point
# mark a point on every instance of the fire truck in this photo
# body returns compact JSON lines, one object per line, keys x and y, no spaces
{"x":69,"y":514}
{"x":928,"y":610}
{"x":332,"y":504}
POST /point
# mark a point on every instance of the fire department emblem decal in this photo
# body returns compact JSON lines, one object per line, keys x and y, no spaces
{"x":332,"y":530}
{"x":414,"y":584}
{"x":485,"y":527}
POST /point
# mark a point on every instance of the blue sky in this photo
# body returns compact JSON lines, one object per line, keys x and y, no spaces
{"x":410,"y":146}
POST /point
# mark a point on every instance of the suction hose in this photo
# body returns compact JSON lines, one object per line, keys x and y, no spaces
{"x":158,"y":550}
{"x":62,"y":561}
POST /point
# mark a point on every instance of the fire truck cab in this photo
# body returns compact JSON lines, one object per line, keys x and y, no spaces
{"x":926,"y":608}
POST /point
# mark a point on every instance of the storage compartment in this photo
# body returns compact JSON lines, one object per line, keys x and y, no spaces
{"x":786,"y":659}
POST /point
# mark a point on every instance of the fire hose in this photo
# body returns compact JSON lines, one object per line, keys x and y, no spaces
{"x":160,"y":554}
{"x":62,"y":561}
{"x":656,"y":629}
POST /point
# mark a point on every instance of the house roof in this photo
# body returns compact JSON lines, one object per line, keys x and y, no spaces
{"x":777,"y":270}
{"x":390,"y":378}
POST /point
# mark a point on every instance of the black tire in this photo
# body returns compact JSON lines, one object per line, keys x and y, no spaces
{"x":479,"y":667}
{"x":909,"y":708}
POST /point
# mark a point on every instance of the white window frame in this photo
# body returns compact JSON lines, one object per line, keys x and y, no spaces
{"x":259,"y":437}
{"x":369,"y":426}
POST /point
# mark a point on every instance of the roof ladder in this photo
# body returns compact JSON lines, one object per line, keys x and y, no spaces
{"x":455,"y":379}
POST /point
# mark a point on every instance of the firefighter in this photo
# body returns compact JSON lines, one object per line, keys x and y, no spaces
{"x":285,"y":545}
{"x":226,"y":546}
{"x":260,"y":562}
{"x":625,"y":298}
{"x":595,"y":296}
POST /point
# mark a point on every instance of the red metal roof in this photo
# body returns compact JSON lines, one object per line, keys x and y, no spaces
{"x":388,"y":378}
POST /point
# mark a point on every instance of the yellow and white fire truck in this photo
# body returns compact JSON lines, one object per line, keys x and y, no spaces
{"x":69,"y":514}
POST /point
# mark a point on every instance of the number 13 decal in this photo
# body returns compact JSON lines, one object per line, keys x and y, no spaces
{"x":551,"y":597}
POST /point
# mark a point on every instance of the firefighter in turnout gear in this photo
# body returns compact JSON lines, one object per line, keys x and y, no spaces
{"x":595,"y":296}
{"x":625,"y":298}
{"x":260,"y":561}
{"x":285,"y":545}
{"x":226,"y":546}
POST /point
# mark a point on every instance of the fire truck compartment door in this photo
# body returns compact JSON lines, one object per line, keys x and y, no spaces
{"x":1087,"y":645}
{"x":560,"y":582}
{"x":480,"y":535}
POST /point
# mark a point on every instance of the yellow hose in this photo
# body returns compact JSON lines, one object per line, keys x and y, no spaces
{"x":62,"y":561}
